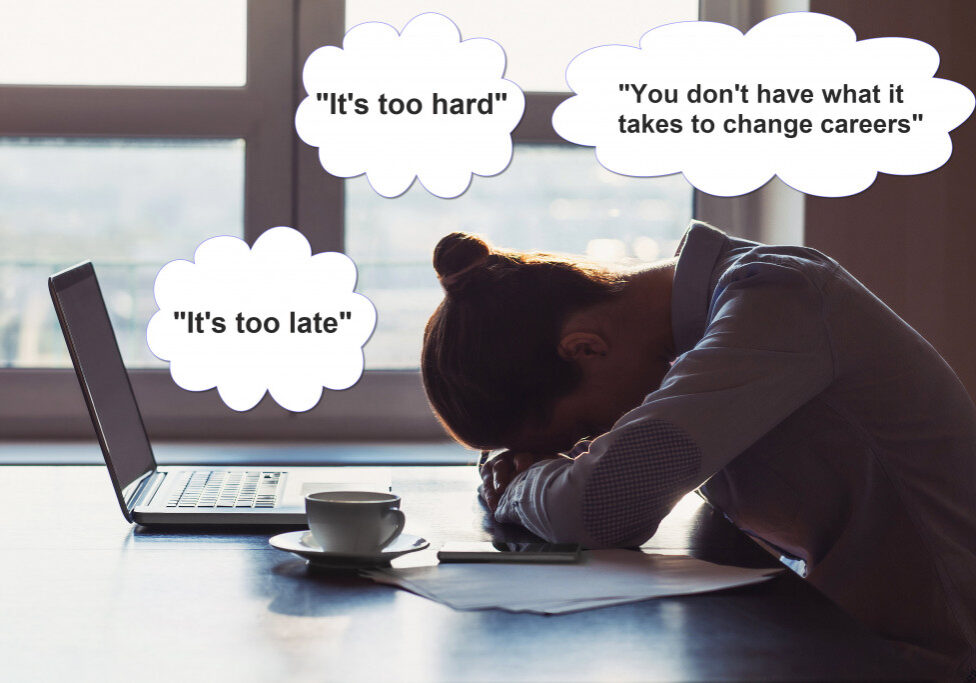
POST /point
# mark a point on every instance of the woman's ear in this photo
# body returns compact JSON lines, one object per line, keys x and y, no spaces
{"x":582,"y":346}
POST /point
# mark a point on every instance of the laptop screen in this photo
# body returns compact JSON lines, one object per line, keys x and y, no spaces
{"x":95,"y":354}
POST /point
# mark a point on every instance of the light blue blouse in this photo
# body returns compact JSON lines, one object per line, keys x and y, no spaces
{"x":814,"y":418}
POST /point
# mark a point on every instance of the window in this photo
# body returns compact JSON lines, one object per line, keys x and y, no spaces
{"x":129,"y":205}
{"x":131,"y":155}
{"x":552,"y":197}
{"x":124,"y":42}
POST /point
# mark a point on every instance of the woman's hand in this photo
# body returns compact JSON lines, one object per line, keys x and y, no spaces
{"x":497,"y":473}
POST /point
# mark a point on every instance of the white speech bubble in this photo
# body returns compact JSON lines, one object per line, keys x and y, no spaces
{"x":456,"y":111}
{"x":798,"y":55}
{"x":279,"y":279}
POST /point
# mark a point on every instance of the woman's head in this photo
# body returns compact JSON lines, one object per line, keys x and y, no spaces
{"x":490,"y":361}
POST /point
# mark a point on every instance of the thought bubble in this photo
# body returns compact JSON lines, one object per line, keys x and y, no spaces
{"x":273,"y":318}
{"x":417,"y":104}
{"x":797,"y":96}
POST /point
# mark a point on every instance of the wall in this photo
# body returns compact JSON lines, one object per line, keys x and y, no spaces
{"x":912,"y":239}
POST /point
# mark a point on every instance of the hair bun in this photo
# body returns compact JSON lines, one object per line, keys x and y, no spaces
{"x":457,"y":254}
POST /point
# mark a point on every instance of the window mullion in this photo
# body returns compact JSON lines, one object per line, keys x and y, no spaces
{"x":125,"y":112}
{"x":319,"y":196}
{"x":269,"y":152}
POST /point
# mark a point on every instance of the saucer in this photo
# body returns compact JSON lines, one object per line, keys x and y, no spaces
{"x":302,"y":543}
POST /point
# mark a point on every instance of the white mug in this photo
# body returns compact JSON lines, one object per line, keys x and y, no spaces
{"x":354,"y":521}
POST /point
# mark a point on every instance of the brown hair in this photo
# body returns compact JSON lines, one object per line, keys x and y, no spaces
{"x":490,"y":359}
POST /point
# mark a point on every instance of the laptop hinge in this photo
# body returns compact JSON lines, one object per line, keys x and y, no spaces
{"x":144,"y":488}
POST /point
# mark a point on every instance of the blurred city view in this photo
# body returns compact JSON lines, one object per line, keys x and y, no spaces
{"x":131,"y":206}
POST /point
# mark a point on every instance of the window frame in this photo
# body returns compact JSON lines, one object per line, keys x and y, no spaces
{"x":284,"y":185}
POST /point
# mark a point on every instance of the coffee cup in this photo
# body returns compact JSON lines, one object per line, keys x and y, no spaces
{"x":354,"y":521}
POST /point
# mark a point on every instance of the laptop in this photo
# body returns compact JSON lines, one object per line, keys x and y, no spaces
{"x":158,"y":495}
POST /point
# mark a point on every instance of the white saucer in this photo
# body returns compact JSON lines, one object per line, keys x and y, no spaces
{"x":302,"y":544}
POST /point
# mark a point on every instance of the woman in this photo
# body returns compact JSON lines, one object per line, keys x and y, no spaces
{"x":767,"y":377}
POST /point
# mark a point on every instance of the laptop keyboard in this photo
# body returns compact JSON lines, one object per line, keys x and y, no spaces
{"x":219,"y":489}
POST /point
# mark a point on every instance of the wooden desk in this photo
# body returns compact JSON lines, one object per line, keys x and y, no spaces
{"x":84,"y":596}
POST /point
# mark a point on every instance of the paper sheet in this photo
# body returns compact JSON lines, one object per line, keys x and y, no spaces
{"x":601,"y":578}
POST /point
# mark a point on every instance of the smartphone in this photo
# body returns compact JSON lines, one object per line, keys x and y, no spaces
{"x":509,"y":552}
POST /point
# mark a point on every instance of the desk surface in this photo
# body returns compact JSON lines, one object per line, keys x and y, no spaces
{"x":85,"y":596}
